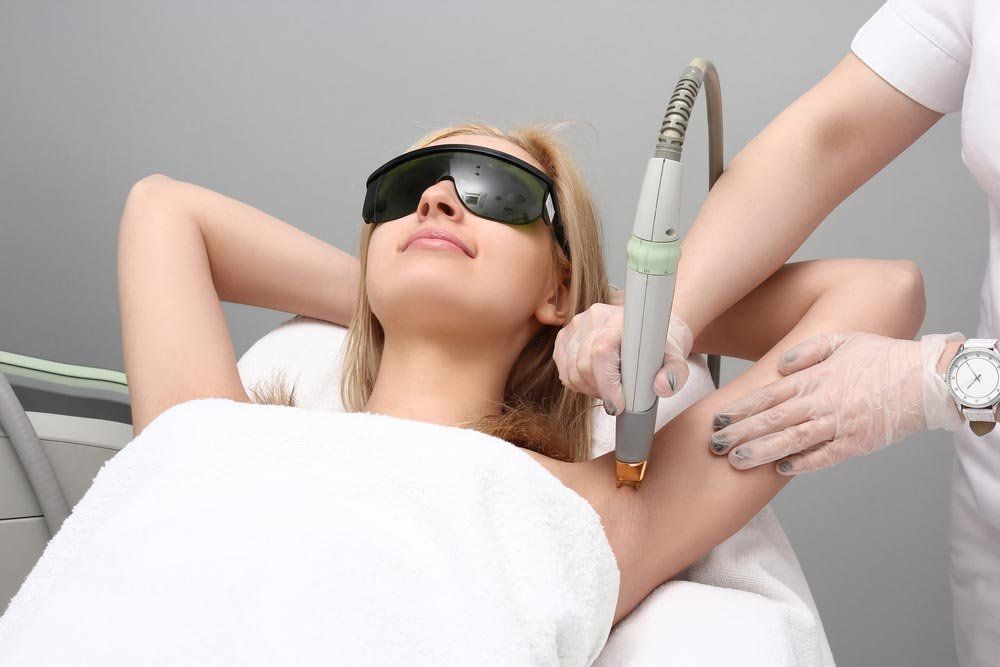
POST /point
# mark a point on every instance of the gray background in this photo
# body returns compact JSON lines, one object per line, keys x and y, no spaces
{"x":289,"y":106}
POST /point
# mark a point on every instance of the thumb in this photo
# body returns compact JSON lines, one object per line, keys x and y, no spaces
{"x":671,"y":377}
{"x":674,"y":373}
{"x":809,"y":353}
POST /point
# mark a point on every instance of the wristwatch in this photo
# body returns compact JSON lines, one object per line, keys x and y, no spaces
{"x":973,"y":379}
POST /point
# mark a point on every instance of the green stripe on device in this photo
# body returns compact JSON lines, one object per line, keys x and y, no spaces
{"x":651,"y":257}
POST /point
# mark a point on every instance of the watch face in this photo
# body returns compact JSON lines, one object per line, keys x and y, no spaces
{"x":974,"y":377}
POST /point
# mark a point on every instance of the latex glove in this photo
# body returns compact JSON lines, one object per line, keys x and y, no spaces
{"x":588,"y":354}
{"x":844,"y":395}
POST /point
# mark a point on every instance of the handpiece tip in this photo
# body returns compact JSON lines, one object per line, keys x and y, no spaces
{"x":630,"y":474}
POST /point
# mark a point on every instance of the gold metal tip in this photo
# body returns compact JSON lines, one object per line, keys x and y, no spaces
{"x":630,"y":473}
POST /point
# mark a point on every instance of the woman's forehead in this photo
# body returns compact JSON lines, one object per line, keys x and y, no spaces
{"x":495,"y":143}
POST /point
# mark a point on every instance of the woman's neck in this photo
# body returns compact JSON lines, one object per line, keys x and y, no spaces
{"x":439,"y":382}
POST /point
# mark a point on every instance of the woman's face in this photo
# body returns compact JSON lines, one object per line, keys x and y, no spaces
{"x":501,"y":288}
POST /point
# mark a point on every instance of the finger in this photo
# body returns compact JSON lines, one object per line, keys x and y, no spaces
{"x":559,"y":353}
{"x":756,"y":401}
{"x":792,"y":440}
{"x":671,"y":377}
{"x":566,"y":340}
{"x":603,"y":343}
{"x":770,"y":421}
{"x":576,"y":382}
{"x":824,"y":456}
{"x":616,"y":402}
{"x":674,"y":373}
{"x":617,"y":297}
{"x":607,"y":370}
{"x":809,"y":353}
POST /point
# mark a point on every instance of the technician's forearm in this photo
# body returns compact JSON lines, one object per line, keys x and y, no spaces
{"x":779,"y":188}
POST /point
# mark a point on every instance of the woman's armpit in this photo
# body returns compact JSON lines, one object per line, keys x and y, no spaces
{"x":624,"y":519}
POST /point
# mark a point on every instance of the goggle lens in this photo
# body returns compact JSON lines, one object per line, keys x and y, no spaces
{"x":489,"y":187}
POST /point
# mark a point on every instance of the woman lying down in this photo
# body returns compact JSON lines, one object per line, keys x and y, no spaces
{"x":452,"y":514}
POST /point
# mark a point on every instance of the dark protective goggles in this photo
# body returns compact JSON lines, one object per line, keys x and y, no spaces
{"x":490,"y":184}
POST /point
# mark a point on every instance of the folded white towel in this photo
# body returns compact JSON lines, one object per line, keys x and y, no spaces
{"x":745,"y":603}
{"x":237,"y":534}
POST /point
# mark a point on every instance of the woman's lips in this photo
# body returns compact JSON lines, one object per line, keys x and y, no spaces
{"x":435,"y":244}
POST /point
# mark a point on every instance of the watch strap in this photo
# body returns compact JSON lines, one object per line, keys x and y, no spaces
{"x":980,"y":414}
{"x":981,"y":428}
{"x":981,"y":342}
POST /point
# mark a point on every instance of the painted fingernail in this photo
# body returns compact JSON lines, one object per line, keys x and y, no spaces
{"x":743,"y":453}
{"x":721,"y":421}
{"x":609,"y":407}
{"x":785,"y":466}
{"x":671,"y":379}
{"x":719,"y":443}
{"x":789,"y":357}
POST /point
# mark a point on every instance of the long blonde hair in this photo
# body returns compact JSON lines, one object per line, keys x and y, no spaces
{"x":538,"y":412}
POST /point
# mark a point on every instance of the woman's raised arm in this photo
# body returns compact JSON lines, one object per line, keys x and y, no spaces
{"x":691,"y":499}
{"x":181,"y":250}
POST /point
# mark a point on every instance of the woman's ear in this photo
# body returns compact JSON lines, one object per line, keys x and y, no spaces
{"x":555,"y":309}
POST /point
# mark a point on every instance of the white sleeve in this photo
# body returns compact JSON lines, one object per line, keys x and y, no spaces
{"x":921,"y":47}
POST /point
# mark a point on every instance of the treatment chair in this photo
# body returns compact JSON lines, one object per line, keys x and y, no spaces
{"x":48,"y":460}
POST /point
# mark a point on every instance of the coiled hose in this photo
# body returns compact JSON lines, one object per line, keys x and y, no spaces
{"x":674,"y":128}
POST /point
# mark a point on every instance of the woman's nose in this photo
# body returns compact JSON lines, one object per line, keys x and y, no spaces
{"x":442,"y":197}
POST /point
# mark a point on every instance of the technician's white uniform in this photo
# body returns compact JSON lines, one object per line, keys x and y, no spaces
{"x":945,"y":54}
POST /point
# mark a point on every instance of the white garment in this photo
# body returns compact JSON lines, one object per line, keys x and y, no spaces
{"x":945,"y":54}
{"x":259,"y":535}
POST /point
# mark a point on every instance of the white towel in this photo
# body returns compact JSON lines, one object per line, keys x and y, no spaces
{"x":745,"y":603}
{"x":238,"y":534}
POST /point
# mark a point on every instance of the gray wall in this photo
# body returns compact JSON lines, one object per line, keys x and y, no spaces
{"x":289,"y":105}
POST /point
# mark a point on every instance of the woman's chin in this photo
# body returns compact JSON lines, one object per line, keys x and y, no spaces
{"x":432,"y":271}
{"x":414,"y":305}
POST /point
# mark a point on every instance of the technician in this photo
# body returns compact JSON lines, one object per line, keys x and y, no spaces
{"x":849,"y":394}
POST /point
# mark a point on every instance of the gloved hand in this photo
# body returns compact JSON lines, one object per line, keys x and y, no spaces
{"x":845,"y":395}
{"x":588,"y":354}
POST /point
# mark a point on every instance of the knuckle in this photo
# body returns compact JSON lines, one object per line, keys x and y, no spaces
{"x":605,"y":348}
{"x":768,"y":420}
{"x":796,"y":440}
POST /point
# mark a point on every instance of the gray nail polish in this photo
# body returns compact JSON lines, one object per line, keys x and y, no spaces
{"x":785,"y":466}
{"x":722,"y":421}
{"x":609,"y":407}
{"x":719,"y":443}
{"x":671,"y":379}
{"x":743,"y":453}
{"x":789,"y":357}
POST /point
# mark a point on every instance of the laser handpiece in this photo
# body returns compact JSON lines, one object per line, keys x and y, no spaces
{"x":653,"y":254}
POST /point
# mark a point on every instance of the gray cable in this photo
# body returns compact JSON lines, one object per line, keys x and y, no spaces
{"x":673,"y":129}
{"x":36,"y":464}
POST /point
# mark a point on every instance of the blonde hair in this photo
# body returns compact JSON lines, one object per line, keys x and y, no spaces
{"x":538,"y":412}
